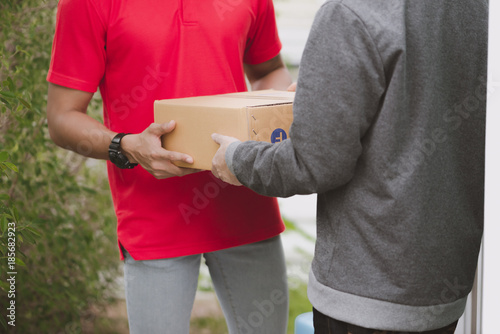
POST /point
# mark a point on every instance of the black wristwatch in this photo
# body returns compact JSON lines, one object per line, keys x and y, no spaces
{"x":115,"y":154}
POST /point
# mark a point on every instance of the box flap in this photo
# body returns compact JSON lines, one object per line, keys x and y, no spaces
{"x":235,"y":100}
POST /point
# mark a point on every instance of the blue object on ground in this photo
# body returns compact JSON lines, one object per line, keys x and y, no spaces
{"x":304,"y":323}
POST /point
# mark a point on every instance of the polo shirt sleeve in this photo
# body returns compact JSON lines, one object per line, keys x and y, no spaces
{"x":78,"y":50}
{"x":263,"y":42}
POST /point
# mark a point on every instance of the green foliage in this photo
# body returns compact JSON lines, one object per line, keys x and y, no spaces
{"x":208,"y":325}
{"x":291,"y":226}
{"x":299,"y":303}
{"x":66,"y":253}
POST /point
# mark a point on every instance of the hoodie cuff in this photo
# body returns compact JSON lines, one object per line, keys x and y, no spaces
{"x":229,"y":155}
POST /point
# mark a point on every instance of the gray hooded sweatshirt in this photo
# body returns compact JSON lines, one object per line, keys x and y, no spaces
{"x":389,"y":125}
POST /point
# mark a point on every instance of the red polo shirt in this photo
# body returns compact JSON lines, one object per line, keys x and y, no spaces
{"x":138,"y":51}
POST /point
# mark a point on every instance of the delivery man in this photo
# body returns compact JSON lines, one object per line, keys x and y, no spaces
{"x":136,"y":52}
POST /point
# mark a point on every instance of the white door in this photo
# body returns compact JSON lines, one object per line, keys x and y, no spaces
{"x":490,"y":309}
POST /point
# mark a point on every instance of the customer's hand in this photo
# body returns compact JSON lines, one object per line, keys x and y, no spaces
{"x":219,"y":165}
{"x":145,"y":149}
{"x":292,"y":87}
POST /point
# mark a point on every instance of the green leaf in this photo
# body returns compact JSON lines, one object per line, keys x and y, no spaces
{"x":4,"y":197}
{"x":19,"y":49}
{"x":29,"y":238}
{"x":15,"y":214}
{"x":25,"y":103}
{"x":7,"y":103}
{"x":4,"y":156}
{"x":7,"y":93}
{"x":10,"y":83}
{"x":34,"y":231}
{"x":4,"y":286}
{"x":11,"y":166}
{"x":20,"y":252}
{"x":3,"y":224}
{"x":89,"y":190}
{"x":6,"y":215}
{"x":20,"y":262}
{"x":292,"y":226}
{"x":15,"y":148}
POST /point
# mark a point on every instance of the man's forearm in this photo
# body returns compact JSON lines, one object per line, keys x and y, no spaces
{"x":71,"y":128}
{"x":278,"y":79}
{"x":271,"y":74}
{"x":81,"y":133}
{"x":69,"y":125}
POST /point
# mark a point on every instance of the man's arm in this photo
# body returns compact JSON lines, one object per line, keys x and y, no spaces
{"x":340,"y":85}
{"x":71,"y":128}
{"x":271,"y":74}
{"x":69,"y":125}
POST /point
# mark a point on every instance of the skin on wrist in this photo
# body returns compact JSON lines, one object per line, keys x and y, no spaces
{"x":127,"y":147}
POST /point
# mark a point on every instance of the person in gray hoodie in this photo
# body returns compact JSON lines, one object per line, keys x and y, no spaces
{"x":389,"y":131}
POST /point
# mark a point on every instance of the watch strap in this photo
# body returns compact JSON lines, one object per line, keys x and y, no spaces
{"x":115,"y":154}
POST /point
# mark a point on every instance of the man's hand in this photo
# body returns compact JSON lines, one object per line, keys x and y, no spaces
{"x":145,"y":149}
{"x":292,"y":87}
{"x":219,"y":166}
{"x":71,"y":128}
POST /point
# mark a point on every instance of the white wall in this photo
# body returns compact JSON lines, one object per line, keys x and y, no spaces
{"x":491,"y":273}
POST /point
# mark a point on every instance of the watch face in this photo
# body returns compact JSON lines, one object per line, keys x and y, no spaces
{"x":118,"y":159}
{"x":113,"y":156}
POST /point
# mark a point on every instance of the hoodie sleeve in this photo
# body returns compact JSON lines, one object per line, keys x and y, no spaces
{"x":340,"y":86}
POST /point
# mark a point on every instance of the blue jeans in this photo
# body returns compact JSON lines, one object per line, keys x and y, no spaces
{"x":250,"y":283}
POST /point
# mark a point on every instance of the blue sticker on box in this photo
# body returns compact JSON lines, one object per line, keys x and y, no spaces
{"x":278,"y":135}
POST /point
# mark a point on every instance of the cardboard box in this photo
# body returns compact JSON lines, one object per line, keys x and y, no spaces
{"x":260,"y":115}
